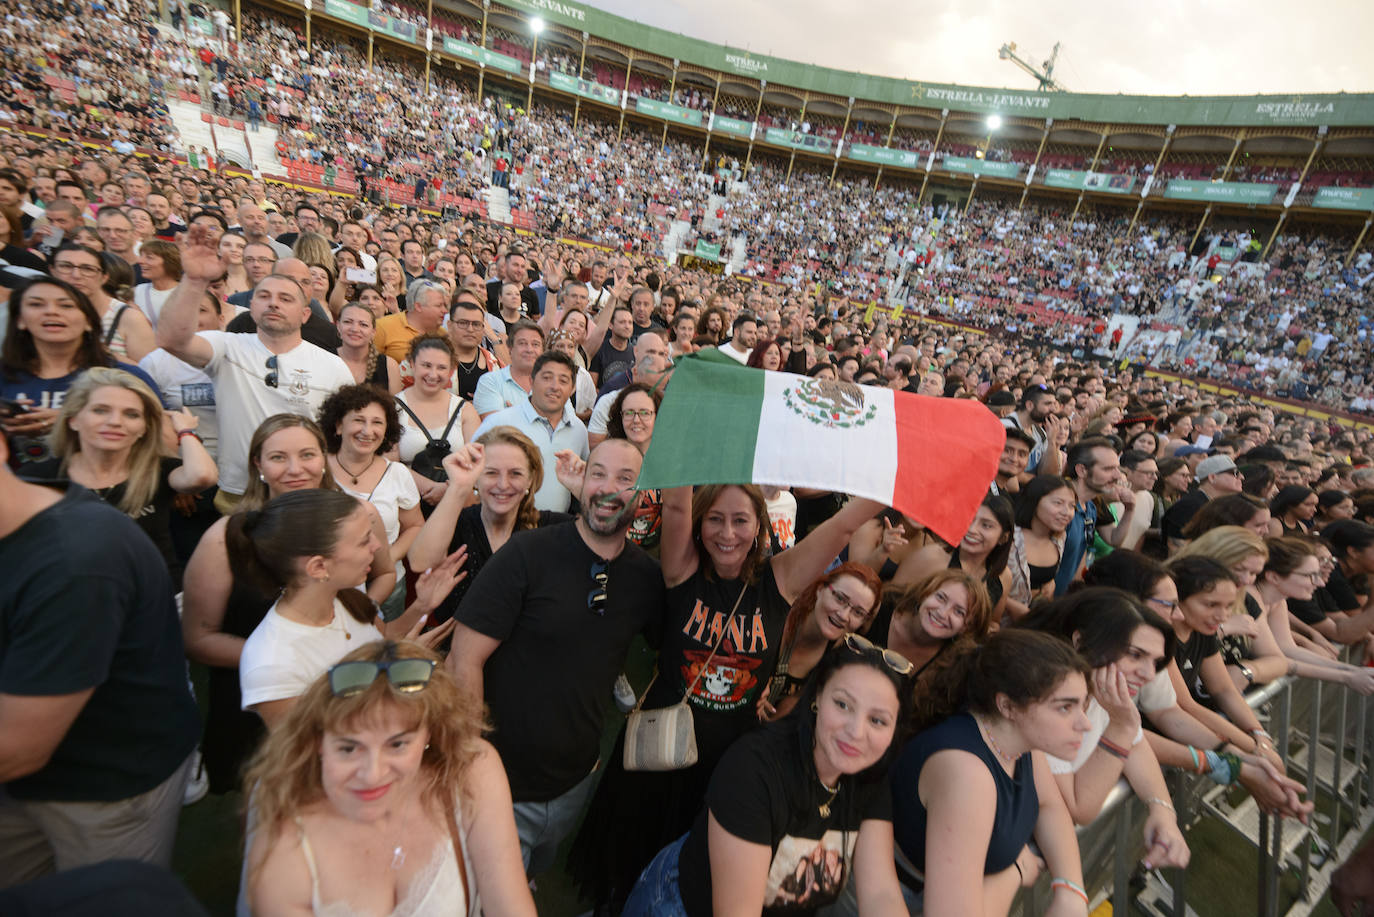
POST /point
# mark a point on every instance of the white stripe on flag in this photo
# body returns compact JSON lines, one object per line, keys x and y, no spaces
{"x":799,"y":446}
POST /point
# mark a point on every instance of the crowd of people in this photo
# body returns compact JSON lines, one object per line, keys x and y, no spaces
{"x":374,"y":473}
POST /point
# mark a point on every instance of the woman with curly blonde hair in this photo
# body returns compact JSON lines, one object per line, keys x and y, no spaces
{"x":378,"y":794}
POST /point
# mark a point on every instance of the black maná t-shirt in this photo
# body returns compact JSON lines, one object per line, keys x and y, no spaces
{"x":548,"y":682}
{"x":86,"y":602}
{"x":765,"y":791}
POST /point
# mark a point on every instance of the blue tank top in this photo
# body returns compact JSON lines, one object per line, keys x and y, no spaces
{"x":1018,"y":806}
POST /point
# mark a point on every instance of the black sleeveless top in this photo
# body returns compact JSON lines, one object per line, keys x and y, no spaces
{"x":994,"y":583}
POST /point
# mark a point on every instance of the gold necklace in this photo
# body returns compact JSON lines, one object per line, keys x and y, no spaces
{"x":824,"y":807}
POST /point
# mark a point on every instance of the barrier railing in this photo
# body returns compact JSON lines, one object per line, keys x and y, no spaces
{"x":1323,"y":733}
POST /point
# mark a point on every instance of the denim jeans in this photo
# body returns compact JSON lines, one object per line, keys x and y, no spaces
{"x":542,"y":826}
{"x":657,"y":893}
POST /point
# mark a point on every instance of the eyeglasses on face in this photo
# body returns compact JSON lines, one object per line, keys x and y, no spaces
{"x":271,"y":377}
{"x":89,"y":270}
{"x":405,"y":675}
{"x":637,"y":414}
{"x":467,"y":324}
{"x":849,"y":605}
{"x":1165,"y":604}
{"x":856,"y":643}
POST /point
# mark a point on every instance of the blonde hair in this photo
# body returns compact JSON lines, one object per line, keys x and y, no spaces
{"x":284,"y":776}
{"x":527,"y":515}
{"x":145,"y":457}
{"x":315,"y":251}
{"x":255,"y":494}
{"x":1228,"y":545}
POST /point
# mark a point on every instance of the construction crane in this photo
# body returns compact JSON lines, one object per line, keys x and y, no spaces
{"x":1044,"y":76}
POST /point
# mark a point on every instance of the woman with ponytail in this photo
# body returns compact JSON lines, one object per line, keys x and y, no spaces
{"x":286,"y":453}
{"x":357,"y":329}
{"x":971,"y":790}
{"x":315,"y":547}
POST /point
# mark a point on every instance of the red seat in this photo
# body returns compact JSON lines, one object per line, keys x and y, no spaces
{"x":207,"y":117}
{"x":222,"y":121}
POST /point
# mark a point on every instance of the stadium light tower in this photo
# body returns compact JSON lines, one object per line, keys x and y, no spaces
{"x":536,"y":27}
{"x":1044,"y":75}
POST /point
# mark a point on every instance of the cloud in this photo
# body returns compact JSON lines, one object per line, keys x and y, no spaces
{"x":1168,"y":47}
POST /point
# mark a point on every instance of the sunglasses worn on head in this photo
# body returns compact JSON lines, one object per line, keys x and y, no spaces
{"x":856,"y":643}
{"x":406,"y":675}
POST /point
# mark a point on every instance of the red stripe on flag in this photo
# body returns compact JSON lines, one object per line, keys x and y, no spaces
{"x":947,"y":455}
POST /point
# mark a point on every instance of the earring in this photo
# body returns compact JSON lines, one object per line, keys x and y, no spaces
{"x":815,"y":707}
{"x":262,"y":478}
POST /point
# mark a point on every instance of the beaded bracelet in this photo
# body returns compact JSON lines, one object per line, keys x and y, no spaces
{"x":1071,"y":886}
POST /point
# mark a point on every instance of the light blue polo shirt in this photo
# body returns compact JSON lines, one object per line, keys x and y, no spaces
{"x":571,"y":433}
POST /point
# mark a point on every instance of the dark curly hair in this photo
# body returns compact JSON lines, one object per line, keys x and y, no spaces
{"x":354,"y":398}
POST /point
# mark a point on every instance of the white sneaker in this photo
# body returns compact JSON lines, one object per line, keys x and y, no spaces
{"x":624,"y":694}
{"x":199,"y":784}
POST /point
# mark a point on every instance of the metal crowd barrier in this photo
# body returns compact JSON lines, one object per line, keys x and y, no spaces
{"x":1324,"y":734}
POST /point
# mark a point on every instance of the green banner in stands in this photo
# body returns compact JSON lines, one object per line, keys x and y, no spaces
{"x":348,"y":12}
{"x":1089,"y":181}
{"x":405,"y":31}
{"x":588,"y":89}
{"x":797,"y":140}
{"x":707,"y":250}
{"x":668,"y":112}
{"x":732,"y":126}
{"x":482,"y":55}
{"x":972,"y":166}
{"x":1224,"y":192}
{"x":1335,"y":109}
{"x":1344,"y":198}
{"x":884,"y":156}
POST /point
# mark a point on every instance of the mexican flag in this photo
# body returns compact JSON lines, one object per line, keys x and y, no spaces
{"x":930,"y":458}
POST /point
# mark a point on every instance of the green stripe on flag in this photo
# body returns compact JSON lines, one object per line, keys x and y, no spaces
{"x":707,"y":426}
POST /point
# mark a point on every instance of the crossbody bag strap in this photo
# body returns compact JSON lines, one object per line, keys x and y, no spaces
{"x":702,"y":671}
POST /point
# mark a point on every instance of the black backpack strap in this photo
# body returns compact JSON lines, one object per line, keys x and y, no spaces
{"x":443,"y":438}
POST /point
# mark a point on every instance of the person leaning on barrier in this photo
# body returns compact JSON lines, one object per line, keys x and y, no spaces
{"x":1127,"y":645}
{"x":1182,"y":732}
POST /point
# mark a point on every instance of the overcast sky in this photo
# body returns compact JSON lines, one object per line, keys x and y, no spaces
{"x":1167,"y":47}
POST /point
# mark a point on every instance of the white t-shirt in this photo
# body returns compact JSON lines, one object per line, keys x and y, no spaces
{"x":394,"y":492}
{"x":782,"y":515}
{"x":306,"y":376}
{"x":730,"y":351}
{"x":185,"y":387}
{"x":151,"y":301}
{"x":1157,"y":694}
{"x":413,"y":439}
{"x":1098,"y":721}
{"x":601,"y":413}
{"x":282,"y":658}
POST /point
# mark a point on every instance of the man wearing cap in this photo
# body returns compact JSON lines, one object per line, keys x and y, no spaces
{"x":1216,"y":476}
{"x":1002,"y":403}
{"x":1193,"y":455}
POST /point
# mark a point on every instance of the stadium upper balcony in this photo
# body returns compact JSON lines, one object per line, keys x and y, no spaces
{"x":1245,"y":150}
